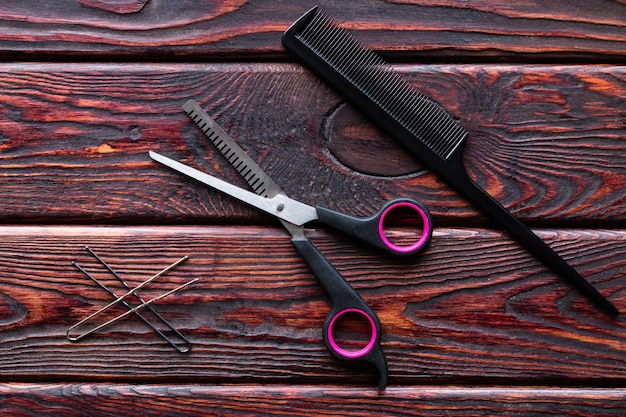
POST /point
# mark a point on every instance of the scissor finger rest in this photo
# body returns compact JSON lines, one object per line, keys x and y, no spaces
{"x":344,"y":300}
{"x":373,"y":229}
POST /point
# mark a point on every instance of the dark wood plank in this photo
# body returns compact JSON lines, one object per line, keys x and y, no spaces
{"x":546,"y":142}
{"x":94,"y":400}
{"x":416,"y":29}
{"x":473,"y":326}
{"x":473,"y":309}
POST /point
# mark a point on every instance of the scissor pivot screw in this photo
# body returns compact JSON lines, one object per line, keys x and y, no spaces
{"x":280,"y":206}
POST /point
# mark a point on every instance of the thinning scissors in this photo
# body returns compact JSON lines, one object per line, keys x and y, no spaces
{"x":268,"y":197}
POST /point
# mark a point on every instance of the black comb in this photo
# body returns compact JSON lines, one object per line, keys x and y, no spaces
{"x":414,"y":120}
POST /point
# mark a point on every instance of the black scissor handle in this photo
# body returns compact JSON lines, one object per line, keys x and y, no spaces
{"x":344,"y":300}
{"x":372,"y":229}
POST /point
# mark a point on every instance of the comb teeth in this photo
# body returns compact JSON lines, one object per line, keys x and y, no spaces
{"x":210,"y":130}
{"x":417,"y":113}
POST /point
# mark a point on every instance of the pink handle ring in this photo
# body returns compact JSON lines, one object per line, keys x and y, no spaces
{"x":352,"y":354}
{"x":409,"y":248}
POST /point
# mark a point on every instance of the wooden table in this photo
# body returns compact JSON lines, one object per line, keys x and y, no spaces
{"x":473,"y":326}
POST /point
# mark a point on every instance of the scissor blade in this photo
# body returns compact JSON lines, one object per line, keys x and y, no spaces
{"x":280,"y":205}
{"x":257,"y":179}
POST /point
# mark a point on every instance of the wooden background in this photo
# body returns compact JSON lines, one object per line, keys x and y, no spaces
{"x":475,"y":326}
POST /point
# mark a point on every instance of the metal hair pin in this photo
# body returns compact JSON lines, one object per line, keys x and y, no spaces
{"x":181,"y":344}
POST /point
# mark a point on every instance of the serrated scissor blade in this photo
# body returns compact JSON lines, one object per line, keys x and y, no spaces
{"x":256,"y":178}
{"x":249,"y":170}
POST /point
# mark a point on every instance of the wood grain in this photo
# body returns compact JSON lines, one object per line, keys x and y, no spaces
{"x":451,"y":315}
{"x":115,"y":6}
{"x":474,"y":326}
{"x":546,"y":142}
{"x":100,"y":400}
{"x":401,"y":29}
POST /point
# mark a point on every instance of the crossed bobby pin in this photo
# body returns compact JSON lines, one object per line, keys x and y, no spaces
{"x":176,"y":340}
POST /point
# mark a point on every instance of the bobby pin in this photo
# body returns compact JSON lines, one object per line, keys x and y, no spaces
{"x":183,"y":346}
{"x":121,"y":316}
{"x":131,"y":310}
